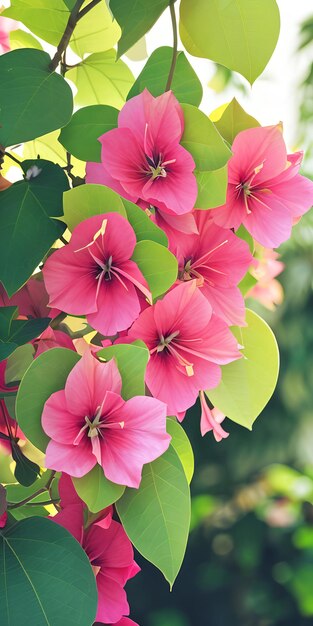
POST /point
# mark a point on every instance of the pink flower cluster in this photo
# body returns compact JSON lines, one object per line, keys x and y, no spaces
{"x":187,"y":331}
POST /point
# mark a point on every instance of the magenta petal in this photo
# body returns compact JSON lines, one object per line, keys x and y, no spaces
{"x":72,"y":518}
{"x":227,"y":303}
{"x":68,"y":494}
{"x":88,"y":383}
{"x":97,"y":173}
{"x":112,"y":600}
{"x":118,"y":306}
{"x":261,"y":146}
{"x":269,"y":222}
{"x":59,"y":423}
{"x":124,"y":159}
{"x":74,"y":460}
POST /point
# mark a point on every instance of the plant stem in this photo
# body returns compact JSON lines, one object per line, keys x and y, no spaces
{"x":175,"y":46}
{"x":87,"y":8}
{"x":65,"y":39}
{"x":16,"y":505}
{"x":13,"y":158}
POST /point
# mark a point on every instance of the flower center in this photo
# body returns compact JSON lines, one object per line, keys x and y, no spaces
{"x":165,"y":341}
{"x":156,"y":165}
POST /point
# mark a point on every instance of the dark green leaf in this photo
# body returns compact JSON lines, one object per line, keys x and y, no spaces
{"x":26,"y":472}
{"x":80,"y":136}
{"x":48,"y":580}
{"x":14,"y":333}
{"x":186,"y":85}
{"x":46,"y":374}
{"x":27,"y":230}
{"x":33,"y":100}
{"x":135,"y":18}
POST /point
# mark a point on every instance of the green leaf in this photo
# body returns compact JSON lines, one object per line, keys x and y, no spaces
{"x":45,"y":19}
{"x":80,"y":136}
{"x":203,"y":140}
{"x":30,"y":97}
{"x":210,"y":153}
{"x":156,"y":517}
{"x":247,"y":283}
{"x":55,"y":582}
{"x":16,"y":492}
{"x":248,"y":384}
{"x":143,"y":225}
{"x":14,"y":333}
{"x":135,"y":18}
{"x":26,"y":472}
{"x":46,"y":374}
{"x":100,"y":79}
{"x":233,"y":120}
{"x":20,"y":39}
{"x":182,"y":447}
{"x":27,"y":228}
{"x":18,"y":363}
{"x":158,"y":265}
{"x":131,"y":359}
{"x":186,"y":85}
{"x":96,"y":32}
{"x":48,"y":147}
{"x":239,"y":34}
{"x":242,"y":233}
{"x":138,"y":52}
{"x":87,"y":200}
{"x":212,"y":188}
{"x":96,"y":490}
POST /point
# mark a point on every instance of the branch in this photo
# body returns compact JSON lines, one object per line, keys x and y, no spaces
{"x":175,"y":46}
{"x":16,"y":505}
{"x":87,"y":8}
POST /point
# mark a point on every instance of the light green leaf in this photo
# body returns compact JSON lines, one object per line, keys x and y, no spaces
{"x":48,"y":147}
{"x":48,"y":571}
{"x":158,"y":265}
{"x":240,"y":34}
{"x":96,"y":31}
{"x":45,"y":375}
{"x":28,"y":209}
{"x":80,"y":136}
{"x":96,"y":490}
{"x":156,"y":517}
{"x":135,"y":18}
{"x":233,"y":120}
{"x":100,"y":79}
{"x":203,"y":140}
{"x":186,"y":85}
{"x":131,"y":359}
{"x":182,"y":447}
{"x":20,"y":39}
{"x":138,"y":52}
{"x":85,"y":201}
{"x":45,"y":19}
{"x":212,"y":188}
{"x":248,"y":384}
{"x":143,"y":225}
{"x":30,"y":97}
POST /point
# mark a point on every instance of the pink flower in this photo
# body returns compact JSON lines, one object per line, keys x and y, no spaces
{"x":89,"y":423}
{"x":143,"y":160}
{"x":211,"y":419}
{"x":52,"y":339}
{"x":94,"y":275}
{"x":31,"y":299}
{"x":265,"y":191}
{"x":6,"y":25}
{"x":3,"y":519}
{"x":218,"y":260}
{"x":268,"y":290}
{"x":187,"y":344}
{"x":109,"y":551}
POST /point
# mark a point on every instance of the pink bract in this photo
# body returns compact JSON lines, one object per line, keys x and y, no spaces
{"x":94,"y":276}
{"x":52,"y":339}
{"x":265,"y":191}
{"x":218,"y":260}
{"x":31,"y":299}
{"x":143,"y":160}
{"x":6,"y":26}
{"x":211,"y":419}
{"x":109,"y":550}
{"x":187,"y":346}
{"x":89,"y":423}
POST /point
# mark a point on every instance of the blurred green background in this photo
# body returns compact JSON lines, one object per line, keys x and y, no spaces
{"x":249,"y":560}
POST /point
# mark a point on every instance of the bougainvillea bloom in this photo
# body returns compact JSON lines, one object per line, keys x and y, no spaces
{"x":218,"y":260}
{"x":111,"y":556}
{"x":187,"y":346}
{"x":143,"y":160}
{"x":52,"y":339}
{"x":267,"y":290}
{"x":94,"y":275}
{"x":211,"y":419}
{"x":265,"y":191}
{"x":32,"y":300}
{"x":89,"y":423}
{"x":6,"y":26}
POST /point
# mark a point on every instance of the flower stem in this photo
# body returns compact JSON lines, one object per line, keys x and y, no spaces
{"x":16,"y":505}
{"x":175,"y":45}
